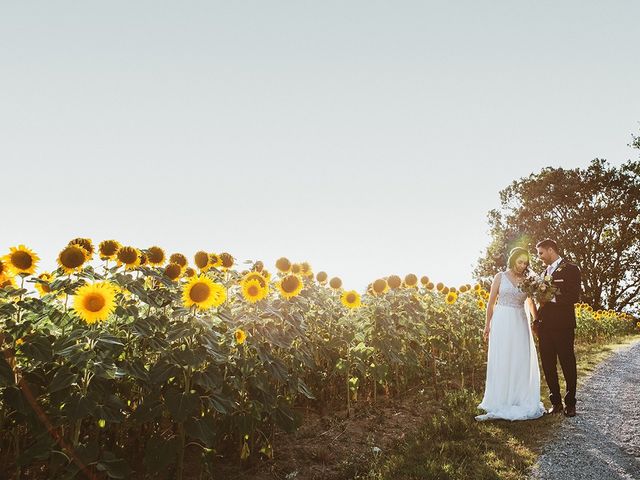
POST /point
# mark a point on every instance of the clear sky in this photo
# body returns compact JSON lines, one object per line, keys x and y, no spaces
{"x":366,"y":137}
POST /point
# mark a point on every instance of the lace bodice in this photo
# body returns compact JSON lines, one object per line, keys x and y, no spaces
{"x":508,"y":294}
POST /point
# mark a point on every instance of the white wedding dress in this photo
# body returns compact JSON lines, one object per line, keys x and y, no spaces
{"x":512,"y":388}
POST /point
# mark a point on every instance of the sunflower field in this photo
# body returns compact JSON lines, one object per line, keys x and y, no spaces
{"x":123,"y":360}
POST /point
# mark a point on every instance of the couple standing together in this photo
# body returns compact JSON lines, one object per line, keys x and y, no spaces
{"x":512,"y":388}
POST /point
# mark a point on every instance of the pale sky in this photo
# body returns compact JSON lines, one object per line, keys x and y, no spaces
{"x":365,"y":137}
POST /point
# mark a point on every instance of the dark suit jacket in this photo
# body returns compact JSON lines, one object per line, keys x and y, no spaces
{"x":561,"y":314}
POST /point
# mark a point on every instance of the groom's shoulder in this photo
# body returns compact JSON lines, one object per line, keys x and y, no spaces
{"x":571,"y":266}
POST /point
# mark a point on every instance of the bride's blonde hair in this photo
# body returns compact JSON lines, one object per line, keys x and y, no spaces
{"x":514,"y":254}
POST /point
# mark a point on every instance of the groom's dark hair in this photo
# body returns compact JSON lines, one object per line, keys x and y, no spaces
{"x":548,"y":243}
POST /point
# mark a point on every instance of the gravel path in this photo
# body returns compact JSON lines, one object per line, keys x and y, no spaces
{"x":603,"y":440}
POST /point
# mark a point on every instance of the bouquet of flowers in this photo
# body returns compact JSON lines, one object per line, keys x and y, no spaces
{"x":541,"y":288}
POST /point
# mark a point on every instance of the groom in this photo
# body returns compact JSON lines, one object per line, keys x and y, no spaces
{"x":555,"y":325}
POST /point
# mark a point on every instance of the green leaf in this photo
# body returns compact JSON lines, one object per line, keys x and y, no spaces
{"x":182,"y":405}
{"x":62,"y":379}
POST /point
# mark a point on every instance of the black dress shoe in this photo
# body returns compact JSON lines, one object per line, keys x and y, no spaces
{"x":556,"y":409}
{"x":570,"y":411}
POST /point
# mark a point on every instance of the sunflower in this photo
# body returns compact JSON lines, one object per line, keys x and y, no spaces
{"x":201,"y":259}
{"x":445,"y":290}
{"x":189,"y":272}
{"x":290,"y":286}
{"x":463,"y":288}
{"x":350,"y":299}
{"x":94,"y":302}
{"x":451,"y":298}
{"x":71,"y":259}
{"x":335,"y":283}
{"x":240,"y":336}
{"x":283,"y":264}
{"x":173,"y":271}
{"x":178,"y":258}
{"x":143,"y":259}
{"x":410,"y":280}
{"x":380,"y":286}
{"x":4,"y":267}
{"x":424,"y":280}
{"x":44,"y":288}
{"x":108,"y":249}
{"x":258,"y":266}
{"x":394,"y":281}
{"x":215,"y":260}
{"x":21,"y":259}
{"x":264,"y":282}
{"x":439,"y":286}
{"x":430,"y":286}
{"x":296,"y":268}
{"x":322,"y":277}
{"x":305,"y":269}
{"x":203,"y":292}
{"x":7,"y":281}
{"x":85,"y":243}
{"x":477,"y":287}
{"x":453,"y":289}
{"x":227,"y":260}
{"x":481,"y":305}
{"x":253,"y":291}
{"x":129,"y":257}
{"x":155,"y":256}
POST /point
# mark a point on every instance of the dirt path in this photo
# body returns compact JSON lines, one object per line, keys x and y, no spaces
{"x":603,"y":440}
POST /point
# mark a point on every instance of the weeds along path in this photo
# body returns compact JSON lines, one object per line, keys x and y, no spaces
{"x":603,"y":440}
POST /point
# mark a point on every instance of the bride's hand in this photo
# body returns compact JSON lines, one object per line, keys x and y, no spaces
{"x":485,"y":334}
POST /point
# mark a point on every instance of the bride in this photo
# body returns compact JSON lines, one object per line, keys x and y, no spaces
{"x":512,"y":388}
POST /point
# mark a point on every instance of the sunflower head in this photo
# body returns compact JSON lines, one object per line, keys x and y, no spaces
{"x":85,"y":243}
{"x":394,"y":281}
{"x":305,"y":269}
{"x":94,"y":302}
{"x":481,"y":304}
{"x":290,"y":286}
{"x":227,"y":260}
{"x":215,"y":260}
{"x":296,"y":268}
{"x":178,"y":258}
{"x":283,"y":264}
{"x":424,"y":280}
{"x":335,"y":283}
{"x":258,"y":266}
{"x":350,"y":299}
{"x":7,"y":281}
{"x":203,"y":293}
{"x":253,"y":290}
{"x":108,"y":249}
{"x":143,"y":259}
{"x":445,"y":290}
{"x":240,"y":336}
{"x":189,"y":272}
{"x":453,"y":289}
{"x":430,"y":286}
{"x":44,"y":288}
{"x":410,"y":280}
{"x":129,"y":257}
{"x":463,"y":288}
{"x":71,"y":259}
{"x":380,"y":286}
{"x":201,"y":259}
{"x":439,"y":286}
{"x":155,"y":256}
{"x":21,"y":260}
{"x":4,"y":267}
{"x":322,"y":277}
{"x":451,"y":298}
{"x":173,"y":271}
{"x":258,"y":277}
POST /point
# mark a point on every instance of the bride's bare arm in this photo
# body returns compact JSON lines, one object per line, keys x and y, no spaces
{"x":493,"y":294}
{"x":532,"y":307}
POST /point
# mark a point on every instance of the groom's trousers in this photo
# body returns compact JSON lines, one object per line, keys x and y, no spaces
{"x":554,"y":345}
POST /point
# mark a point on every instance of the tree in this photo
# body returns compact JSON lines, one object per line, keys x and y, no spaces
{"x":593,"y":214}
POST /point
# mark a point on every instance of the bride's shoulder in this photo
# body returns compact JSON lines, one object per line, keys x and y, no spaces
{"x":497,"y":277}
